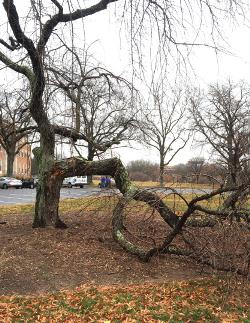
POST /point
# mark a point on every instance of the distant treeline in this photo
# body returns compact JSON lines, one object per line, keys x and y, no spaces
{"x":196,"y":170}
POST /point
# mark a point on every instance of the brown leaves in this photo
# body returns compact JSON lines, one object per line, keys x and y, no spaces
{"x":193,"y":301}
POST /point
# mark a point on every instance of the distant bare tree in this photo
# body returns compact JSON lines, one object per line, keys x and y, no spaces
{"x":15,"y":124}
{"x":107,"y":116}
{"x":195,"y":166}
{"x":163,"y":127}
{"x":101,"y":102}
{"x":222,"y":118}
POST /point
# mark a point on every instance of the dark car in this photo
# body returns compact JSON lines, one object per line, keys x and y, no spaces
{"x":28,"y":183}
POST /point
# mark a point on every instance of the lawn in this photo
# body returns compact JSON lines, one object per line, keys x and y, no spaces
{"x":82,"y":275}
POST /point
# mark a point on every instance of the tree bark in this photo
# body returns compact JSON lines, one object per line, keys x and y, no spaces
{"x":10,"y":161}
{"x":47,"y":202}
{"x":91,"y":154}
{"x":233,"y":198}
{"x":161,"y":173}
{"x":48,"y":190}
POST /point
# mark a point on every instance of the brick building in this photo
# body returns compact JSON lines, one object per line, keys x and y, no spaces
{"x":22,"y":162}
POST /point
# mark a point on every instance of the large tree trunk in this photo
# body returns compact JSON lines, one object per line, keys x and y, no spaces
{"x":10,"y":161}
{"x":161,"y":174}
{"x":91,"y":154}
{"x":232,"y":175}
{"x":233,"y":180}
{"x":47,"y":201}
{"x":48,"y":188}
{"x":78,"y":115}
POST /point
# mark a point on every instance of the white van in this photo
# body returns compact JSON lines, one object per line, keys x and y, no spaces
{"x":76,"y":181}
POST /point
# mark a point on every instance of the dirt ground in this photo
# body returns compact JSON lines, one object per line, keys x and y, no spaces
{"x":41,"y":260}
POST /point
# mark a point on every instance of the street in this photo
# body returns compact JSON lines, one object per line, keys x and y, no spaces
{"x":27,"y":196}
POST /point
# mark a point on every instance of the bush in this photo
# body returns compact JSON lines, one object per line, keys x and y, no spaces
{"x":142,"y":170}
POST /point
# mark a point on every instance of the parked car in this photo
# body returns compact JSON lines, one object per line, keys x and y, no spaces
{"x":76,"y":181}
{"x":28,"y":183}
{"x":6,"y":182}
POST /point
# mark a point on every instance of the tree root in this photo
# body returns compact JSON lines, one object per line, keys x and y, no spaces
{"x":60,"y":224}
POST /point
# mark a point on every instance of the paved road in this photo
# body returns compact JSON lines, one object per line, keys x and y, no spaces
{"x":27,"y":196}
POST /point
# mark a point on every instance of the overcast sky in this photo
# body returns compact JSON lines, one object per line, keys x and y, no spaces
{"x":208,"y":67}
{"x":112,"y":48}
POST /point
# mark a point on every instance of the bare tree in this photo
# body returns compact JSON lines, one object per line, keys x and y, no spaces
{"x":15,"y":124}
{"x":222,"y":117}
{"x":163,"y":126}
{"x":195,"y":166}
{"x":101,"y":102}
{"x":48,"y":192}
{"x":107,"y":116}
